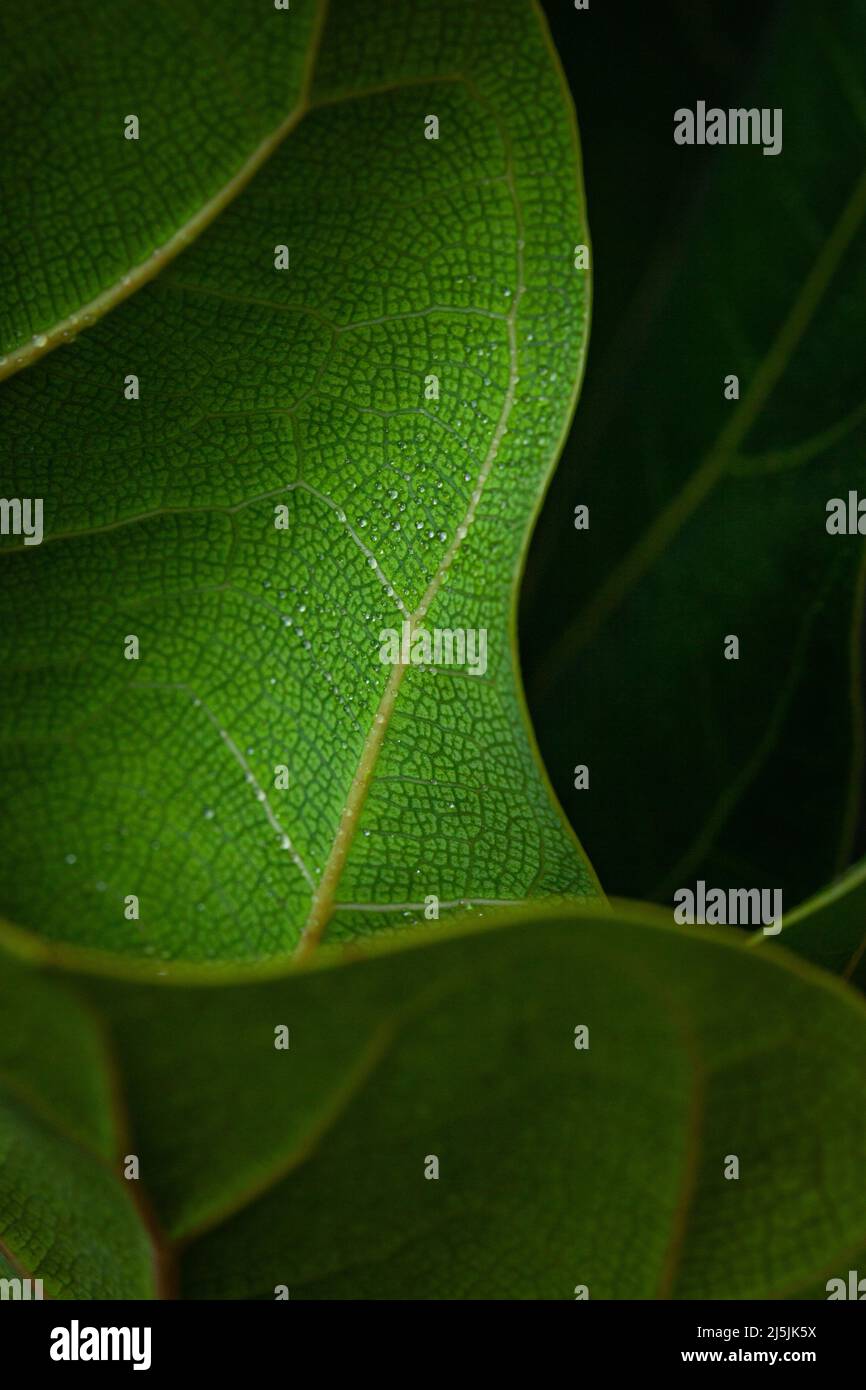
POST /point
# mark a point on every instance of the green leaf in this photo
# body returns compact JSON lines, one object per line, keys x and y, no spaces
{"x":830,"y":929}
{"x":8,"y":1270}
{"x":708,"y":518}
{"x":265,"y":391}
{"x":89,"y":214}
{"x":67,"y":1215}
{"x":558,"y":1166}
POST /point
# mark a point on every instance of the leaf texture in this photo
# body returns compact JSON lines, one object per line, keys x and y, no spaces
{"x":89,"y":214}
{"x":299,"y":396}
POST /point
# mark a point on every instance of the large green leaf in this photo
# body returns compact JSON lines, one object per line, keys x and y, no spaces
{"x":558,"y":1166}
{"x":707,"y":518}
{"x":88,"y":214}
{"x":303,"y":391}
{"x":68,"y":1216}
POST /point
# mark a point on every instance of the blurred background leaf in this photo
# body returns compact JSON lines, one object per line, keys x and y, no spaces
{"x":830,"y":928}
{"x":67,"y":1214}
{"x":708,"y":515}
{"x":558,"y":1165}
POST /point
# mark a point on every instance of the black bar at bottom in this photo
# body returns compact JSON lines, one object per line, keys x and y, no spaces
{"x":82,"y":1339}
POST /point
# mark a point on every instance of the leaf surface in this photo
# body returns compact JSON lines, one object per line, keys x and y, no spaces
{"x":67,"y":1215}
{"x":708,"y":519}
{"x":558,"y":1166}
{"x":300,"y":397}
{"x":89,"y":215}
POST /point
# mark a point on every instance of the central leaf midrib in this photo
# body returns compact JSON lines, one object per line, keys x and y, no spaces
{"x":322,"y":906}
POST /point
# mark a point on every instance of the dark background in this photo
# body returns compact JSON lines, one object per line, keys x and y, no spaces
{"x":629,"y":66}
